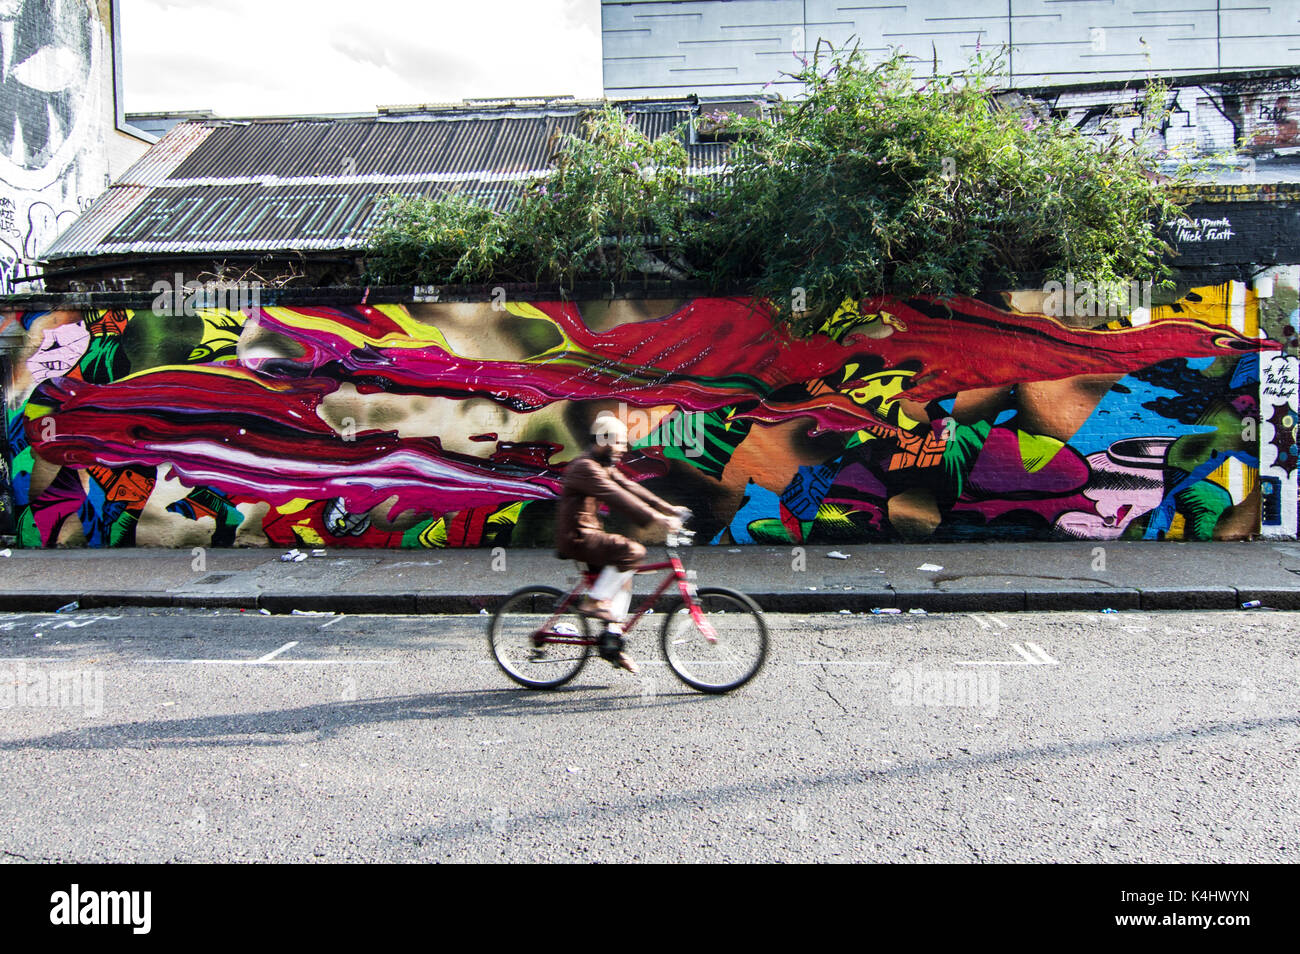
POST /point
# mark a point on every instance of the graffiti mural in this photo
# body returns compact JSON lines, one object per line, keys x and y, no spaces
{"x":449,"y":424}
{"x":1279,"y":396}
{"x":1253,"y":116}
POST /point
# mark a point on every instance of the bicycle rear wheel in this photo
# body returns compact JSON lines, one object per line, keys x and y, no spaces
{"x":726,"y":663}
{"x":513,"y":638}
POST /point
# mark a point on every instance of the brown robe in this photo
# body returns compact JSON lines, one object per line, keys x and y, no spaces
{"x":579,"y":534}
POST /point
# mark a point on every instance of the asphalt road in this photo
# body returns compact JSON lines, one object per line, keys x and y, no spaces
{"x":227,"y":736}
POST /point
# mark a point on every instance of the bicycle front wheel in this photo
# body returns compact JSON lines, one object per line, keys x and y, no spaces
{"x":730,"y":659}
{"x":527,"y":654}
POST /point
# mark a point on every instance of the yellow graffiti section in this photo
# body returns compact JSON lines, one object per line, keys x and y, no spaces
{"x":879,"y":393}
{"x":849,"y":315}
{"x":302,"y":529}
{"x":216,"y":370}
{"x":414,"y":334}
{"x":1232,"y":304}
{"x":307,"y":535}
{"x":434,"y":536}
{"x":221,"y":330}
{"x":522,"y":309}
{"x":1037,"y":450}
{"x":1236,"y":478}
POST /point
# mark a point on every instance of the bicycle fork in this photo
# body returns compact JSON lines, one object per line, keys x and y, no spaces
{"x":689,"y":594}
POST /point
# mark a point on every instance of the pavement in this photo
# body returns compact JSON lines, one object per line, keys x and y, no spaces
{"x":975,"y":577}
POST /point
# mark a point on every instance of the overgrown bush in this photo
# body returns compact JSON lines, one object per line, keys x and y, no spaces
{"x":445,"y":240}
{"x":615,"y":202}
{"x":872,"y":182}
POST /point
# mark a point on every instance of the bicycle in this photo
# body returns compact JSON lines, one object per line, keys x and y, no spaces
{"x":714,"y":639}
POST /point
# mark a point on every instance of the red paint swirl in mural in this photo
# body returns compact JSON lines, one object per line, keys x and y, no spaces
{"x":714,"y":353}
{"x":250,"y":437}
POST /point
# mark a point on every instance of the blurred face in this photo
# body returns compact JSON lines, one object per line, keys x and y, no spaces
{"x":610,"y":439}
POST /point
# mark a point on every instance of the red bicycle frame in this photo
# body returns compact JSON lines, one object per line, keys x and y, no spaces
{"x":679,"y":574}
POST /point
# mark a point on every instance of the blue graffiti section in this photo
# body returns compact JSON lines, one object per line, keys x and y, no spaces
{"x":1125,"y":409}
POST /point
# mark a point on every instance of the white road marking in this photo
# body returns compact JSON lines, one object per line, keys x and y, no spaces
{"x":841,"y":662}
{"x":283,"y":649}
{"x":1031,"y":654}
{"x":333,"y":621}
{"x":272,"y":662}
{"x":1024,"y":653}
{"x":1041,"y":653}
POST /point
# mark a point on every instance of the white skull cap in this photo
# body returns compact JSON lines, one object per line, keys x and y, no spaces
{"x":608,"y":429}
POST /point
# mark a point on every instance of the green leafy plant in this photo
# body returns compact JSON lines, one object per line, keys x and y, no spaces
{"x":615,"y":206}
{"x":442,"y":240}
{"x":871,"y":182}
{"x":877,"y":183}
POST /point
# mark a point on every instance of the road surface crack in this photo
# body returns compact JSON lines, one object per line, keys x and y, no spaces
{"x":821,"y":684}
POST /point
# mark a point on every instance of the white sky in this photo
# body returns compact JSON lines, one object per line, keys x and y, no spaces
{"x":268,"y":57}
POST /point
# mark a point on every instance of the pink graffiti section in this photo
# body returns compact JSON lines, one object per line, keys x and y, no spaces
{"x":61,"y":348}
{"x":260,"y":439}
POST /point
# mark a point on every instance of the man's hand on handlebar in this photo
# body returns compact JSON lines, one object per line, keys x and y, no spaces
{"x":672,"y":522}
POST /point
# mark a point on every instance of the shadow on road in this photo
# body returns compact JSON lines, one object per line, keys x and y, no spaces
{"x":285,"y":726}
{"x":636,"y":807}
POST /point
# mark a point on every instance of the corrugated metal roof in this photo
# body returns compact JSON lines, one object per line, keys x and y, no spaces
{"x":165,"y":155}
{"x":312,"y":183}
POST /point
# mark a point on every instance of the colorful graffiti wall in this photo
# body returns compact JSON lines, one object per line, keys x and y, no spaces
{"x":449,"y":424}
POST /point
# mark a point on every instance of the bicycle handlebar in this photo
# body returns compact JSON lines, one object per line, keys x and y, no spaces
{"x":681,"y":537}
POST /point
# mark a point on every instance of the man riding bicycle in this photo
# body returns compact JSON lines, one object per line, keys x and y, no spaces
{"x":589,"y":481}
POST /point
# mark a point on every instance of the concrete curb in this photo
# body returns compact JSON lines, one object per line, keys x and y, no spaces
{"x":932,"y":601}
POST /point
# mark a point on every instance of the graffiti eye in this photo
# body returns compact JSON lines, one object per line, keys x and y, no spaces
{"x":1234,"y":344}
